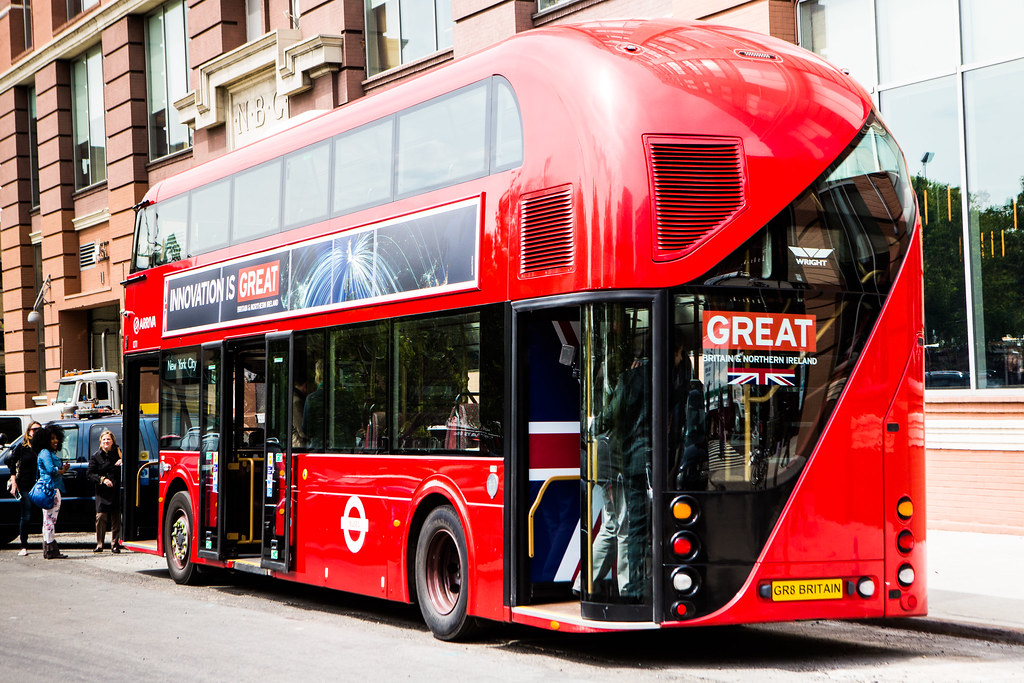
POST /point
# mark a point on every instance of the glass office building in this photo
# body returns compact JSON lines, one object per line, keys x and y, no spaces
{"x":948,"y":77}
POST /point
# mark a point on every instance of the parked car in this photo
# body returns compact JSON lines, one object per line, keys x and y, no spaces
{"x":78,"y":507}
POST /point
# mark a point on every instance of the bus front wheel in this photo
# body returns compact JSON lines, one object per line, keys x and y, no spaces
{"x":178,"y":539}
{"x":442,"y":564}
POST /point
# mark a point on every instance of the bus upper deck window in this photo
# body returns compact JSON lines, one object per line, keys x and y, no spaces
{"x":508,"y":128}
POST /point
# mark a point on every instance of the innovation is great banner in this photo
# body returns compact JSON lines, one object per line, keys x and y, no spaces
{"x":425,"y":253}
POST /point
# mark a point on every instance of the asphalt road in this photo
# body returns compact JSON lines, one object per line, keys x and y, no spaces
{"x":120,"y":617}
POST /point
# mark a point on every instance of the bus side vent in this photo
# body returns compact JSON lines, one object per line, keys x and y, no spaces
{"x":547,"y":231}
{"x":697,"y":186}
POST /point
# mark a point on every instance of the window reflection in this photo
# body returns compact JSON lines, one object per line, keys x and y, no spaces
{"x":995,"y":149}
{"x":923,"y":117}
{"x":839,"y":30}
{"x":991,"y":29}
{"x":916,"y":38}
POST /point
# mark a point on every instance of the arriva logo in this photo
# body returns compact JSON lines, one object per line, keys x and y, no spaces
{"x":146,"y":323}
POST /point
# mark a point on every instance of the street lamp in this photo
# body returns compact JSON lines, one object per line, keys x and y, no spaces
{"x":35,"y":316}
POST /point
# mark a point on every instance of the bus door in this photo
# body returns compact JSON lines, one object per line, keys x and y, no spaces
{"x":549,"y":353}
{"x":277,"y":473}
{"x":244,"y":445}
{"x":619,"y":348}
{"x":207,"y":437}
{"x":141,"y":460}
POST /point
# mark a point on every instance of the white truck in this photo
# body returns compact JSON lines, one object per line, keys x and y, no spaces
{"x":80,"y":393}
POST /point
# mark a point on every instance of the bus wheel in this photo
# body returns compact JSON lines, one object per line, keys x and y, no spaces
{"x":441,"y":575}
{"x":178,"y":539}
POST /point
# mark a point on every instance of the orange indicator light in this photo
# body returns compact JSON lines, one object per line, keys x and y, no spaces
{"x":681,"y":510}
{"x":905,"y":509}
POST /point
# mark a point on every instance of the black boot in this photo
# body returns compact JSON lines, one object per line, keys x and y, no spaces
{"x":55,"y":553}
{"x":47,"y":553}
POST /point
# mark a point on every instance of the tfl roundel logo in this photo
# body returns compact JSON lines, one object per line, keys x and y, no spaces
{"x":144,"y":323}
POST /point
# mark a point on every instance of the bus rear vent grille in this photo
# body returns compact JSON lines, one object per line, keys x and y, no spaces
{"x":547,"y":231}
{"x":697,"y":186}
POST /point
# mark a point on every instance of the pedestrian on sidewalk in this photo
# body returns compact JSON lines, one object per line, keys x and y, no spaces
{"x":22,"y":463}
{"x":47,"y":442}
{"x":105,"y":472}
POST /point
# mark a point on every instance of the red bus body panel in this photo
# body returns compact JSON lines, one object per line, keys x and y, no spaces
{"x":793,"y":116}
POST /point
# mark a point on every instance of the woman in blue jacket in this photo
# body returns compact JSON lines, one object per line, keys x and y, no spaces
{"x":47,"y":442}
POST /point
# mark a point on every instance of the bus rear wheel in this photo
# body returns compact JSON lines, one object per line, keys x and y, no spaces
{"x":442,"y":564}
{"x":178,"y":539}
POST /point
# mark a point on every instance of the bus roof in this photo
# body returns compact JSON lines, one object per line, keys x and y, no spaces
{"x":690,"y":53}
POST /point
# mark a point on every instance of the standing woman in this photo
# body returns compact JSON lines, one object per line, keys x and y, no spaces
{"x":105,"y":472}
{"x":21,"y":461}
{"x":47,"y":442}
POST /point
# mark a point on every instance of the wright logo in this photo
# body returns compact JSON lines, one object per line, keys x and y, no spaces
{"x":806,"y":256}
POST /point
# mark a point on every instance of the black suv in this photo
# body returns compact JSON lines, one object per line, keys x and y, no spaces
{"x":78,"y":507}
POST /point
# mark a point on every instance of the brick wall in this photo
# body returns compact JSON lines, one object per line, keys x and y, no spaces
{"x":975,"y":461}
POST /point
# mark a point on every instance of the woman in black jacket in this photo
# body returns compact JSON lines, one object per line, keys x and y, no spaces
{"x":105,"y":472}
{"x":21,"y":462}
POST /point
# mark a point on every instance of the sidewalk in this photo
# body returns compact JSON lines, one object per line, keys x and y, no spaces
{"x":975,"y":586}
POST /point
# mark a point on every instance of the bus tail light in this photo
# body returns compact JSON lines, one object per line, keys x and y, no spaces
{"x":905,"y":541}
{"x":905,"y":509}
{"x":685,"y":545}
{"x":684,"y":581}
{"x":684,"y":509}
{"x":683,"y":609}
{"x":905,"y":575}
{"x":866,"y":587}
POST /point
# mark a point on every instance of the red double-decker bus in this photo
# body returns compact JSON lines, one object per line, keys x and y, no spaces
{"x":608,"y":326}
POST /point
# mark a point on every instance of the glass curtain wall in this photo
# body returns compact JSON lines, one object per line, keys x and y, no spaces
{"x":948,"y":77}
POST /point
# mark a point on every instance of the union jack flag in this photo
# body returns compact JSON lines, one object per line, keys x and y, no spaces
{"x":762,"y":376}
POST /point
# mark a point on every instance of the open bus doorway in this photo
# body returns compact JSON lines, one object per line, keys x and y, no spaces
{"x":231,"y":440}
{"x":141,"y":465}
{"x":586,"y":404}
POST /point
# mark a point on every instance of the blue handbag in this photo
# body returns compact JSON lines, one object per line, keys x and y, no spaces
{"x":42,"y":493}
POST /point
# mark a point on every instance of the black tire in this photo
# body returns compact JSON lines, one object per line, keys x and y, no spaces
{"x":442,"y":564}
{"x":178,"y":534}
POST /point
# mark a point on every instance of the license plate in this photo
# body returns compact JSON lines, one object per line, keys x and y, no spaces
{"x":812,"y":589}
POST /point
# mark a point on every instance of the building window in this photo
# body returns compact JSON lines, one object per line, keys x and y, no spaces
{"x":916,"y":38}
{"x":89,"y":131}
{"x":991,"y":29}
{"x":253,"y":20}
{"x":924,"y":116}
{"x":993,"y":98}
{"x":167,"y":78}
{"x":838,"y":30}
{"x":33,"y":147}
{"x":76,"y":7}
{"x":26,"y":16}
{"x":402,"y":31}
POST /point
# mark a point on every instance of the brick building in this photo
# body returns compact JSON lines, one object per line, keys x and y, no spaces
{"x":101,"y":98}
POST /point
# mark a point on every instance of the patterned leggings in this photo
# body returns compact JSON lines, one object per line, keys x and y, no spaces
{"x":50,"y":518}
